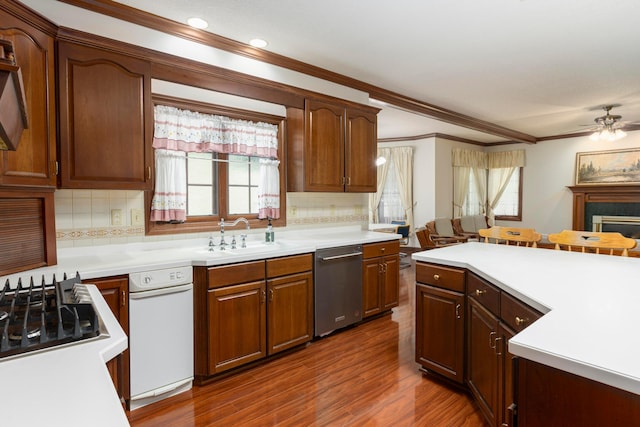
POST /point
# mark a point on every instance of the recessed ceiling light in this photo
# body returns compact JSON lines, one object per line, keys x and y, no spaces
{"x":198,"y":23}
{"x":259,"y":43}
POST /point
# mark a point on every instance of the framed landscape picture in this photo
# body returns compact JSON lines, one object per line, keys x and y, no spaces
{"x":608,"y":167}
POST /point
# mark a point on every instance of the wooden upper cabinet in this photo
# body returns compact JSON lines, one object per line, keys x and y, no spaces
{"x":106,"y":119}
{"x":331,"y":147}
{"x":34,"y":162}
{"x":361,"y":151}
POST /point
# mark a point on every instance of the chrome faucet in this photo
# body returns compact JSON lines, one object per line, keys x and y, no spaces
{"x":222,"y":224}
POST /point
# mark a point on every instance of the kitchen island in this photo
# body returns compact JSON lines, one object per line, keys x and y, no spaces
{"x":588,"y":304}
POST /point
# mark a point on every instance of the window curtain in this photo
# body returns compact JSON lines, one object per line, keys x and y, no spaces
{"x":383,"y":170}
{"x":269,"y":189}
{"x":464,"y":163}
{"x":169,"y":202}
{"x":403,"y":161}
{"x":501,"y":166}
{"x":183,"y":131}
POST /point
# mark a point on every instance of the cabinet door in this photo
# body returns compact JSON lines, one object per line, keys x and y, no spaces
{"x":290,"y":311}
{"x":361,"y":150}
{"x":324,"y":147}
{"x":34,"y":162}
{"x":391,"y":282}
{"x":237,"y":325}
{"x":483,"y":359}
{"x":506,"y":379}
{"x":115,"y":291}
{"x":106,"y":119}
{"x":440,"y":331}
{"x":371,"y":295}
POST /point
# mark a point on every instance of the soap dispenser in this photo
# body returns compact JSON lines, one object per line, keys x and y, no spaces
{"x":269,"y":236}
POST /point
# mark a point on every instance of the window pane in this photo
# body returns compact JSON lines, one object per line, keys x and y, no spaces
{"x":199,"y":168}
{"x":509,"y":202}
{"x":238,"y":200}
{"x":254,"y":200}
{"x":238,"y":170}
{"x":390,"y":207}
{"x":200,"y":200}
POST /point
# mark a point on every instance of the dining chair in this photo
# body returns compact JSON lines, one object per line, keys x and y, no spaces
{"x":511,"y":235}
{"x":592,"y":241}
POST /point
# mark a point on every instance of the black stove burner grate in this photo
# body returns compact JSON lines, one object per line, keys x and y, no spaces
{"x":35,"y":317}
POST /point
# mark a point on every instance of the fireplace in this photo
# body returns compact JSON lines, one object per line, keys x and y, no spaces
{"x":591,"y":201}
{"x":628,"y":226}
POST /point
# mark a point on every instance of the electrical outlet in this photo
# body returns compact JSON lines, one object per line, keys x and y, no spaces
{"x":357,"y":209}
{"x":116,"y":216}
{"x":294,"y":210}
{"x":137,"y":218}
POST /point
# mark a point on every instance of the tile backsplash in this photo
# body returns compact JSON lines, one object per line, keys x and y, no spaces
{"x":99,"y":217}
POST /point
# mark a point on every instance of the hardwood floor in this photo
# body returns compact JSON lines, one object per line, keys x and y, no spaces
{"x":363,"y":376}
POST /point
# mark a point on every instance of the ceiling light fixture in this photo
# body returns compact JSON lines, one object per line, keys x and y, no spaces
{"x":609,"y":126}
{"x":608,"y":134}
{"x":259,"y":43}
{"x":198,"y":23}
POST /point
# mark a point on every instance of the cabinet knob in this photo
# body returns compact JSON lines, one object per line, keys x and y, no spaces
{"x":480,"y":292}
{"x":436,"y":277}
{"x":520,"y":321}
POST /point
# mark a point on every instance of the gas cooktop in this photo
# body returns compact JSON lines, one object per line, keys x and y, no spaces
{"x":38,"y":317}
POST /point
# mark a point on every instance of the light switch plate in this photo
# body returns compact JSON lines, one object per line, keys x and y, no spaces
{"x":137,"y":218}
{"x":116,"y":216}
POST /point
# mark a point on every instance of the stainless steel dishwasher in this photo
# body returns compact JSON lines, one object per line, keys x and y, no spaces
{"x":338,"y":288}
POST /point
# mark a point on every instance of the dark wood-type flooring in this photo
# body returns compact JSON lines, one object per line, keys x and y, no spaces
{"x":363,"y":376}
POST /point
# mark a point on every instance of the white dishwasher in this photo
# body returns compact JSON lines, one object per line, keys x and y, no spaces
{"x":160,"y":334}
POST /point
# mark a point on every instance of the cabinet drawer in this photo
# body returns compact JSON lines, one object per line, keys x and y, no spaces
{"x":485,"y":293}
{"x":289,"y":265}
{"x":373,"y":250}
{"x":442,"y":277}
{"x":515,"y":313}
{"x":238,"y":273}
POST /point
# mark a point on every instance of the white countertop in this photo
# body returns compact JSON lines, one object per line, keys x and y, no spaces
{"x":591,"y":303}
{"x":69,"y":385}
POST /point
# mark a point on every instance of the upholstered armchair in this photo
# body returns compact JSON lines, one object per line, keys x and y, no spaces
{"x":440,"y":233}
{"x":469,"y":225}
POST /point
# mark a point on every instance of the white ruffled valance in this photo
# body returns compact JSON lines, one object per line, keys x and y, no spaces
{"x":191,"y":131}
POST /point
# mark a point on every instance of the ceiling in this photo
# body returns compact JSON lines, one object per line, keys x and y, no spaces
{"x":540,"y":67}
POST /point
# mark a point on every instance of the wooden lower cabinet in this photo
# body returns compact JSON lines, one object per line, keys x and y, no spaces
{"x":440,"y":331}
{"x":550,"y":397}
{"x":248,"y":311}
{"x":380,"y":277}
{"x":115,"y":291}
{"x":289,"y":311}
{"x":484,"y":360}
{"x":237,"y":325}
{"x":469,"y":345}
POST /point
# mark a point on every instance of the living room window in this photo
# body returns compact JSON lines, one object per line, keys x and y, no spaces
{"x":488,"y":184}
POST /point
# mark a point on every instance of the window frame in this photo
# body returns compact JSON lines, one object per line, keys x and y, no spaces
{"x":517,"y":217}
{"x":208,"y":223}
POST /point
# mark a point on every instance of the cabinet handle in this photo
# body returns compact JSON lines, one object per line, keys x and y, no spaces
{"x":57,"y":167}
{"x":457,"y":311}
{"x":480,"y":292}
{"x":348,"y":180}
{"x":498,"y":350}
{"x":436,"y":277}
{"x":492,"y":342}
{"x":123,"y":299}
{"x":344,"y":180}
{"x":521,"y":321}
{"x":270,"y":295}
{"x":148,"y":173}
{"x":264,"y":297}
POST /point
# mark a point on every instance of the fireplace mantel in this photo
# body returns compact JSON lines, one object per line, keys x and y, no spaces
{"x":583,"y":194}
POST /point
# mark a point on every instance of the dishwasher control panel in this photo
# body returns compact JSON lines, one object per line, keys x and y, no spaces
{"x":161,"y":278}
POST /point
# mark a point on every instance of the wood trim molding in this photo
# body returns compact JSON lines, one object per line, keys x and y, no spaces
{"x":139,"y":17}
